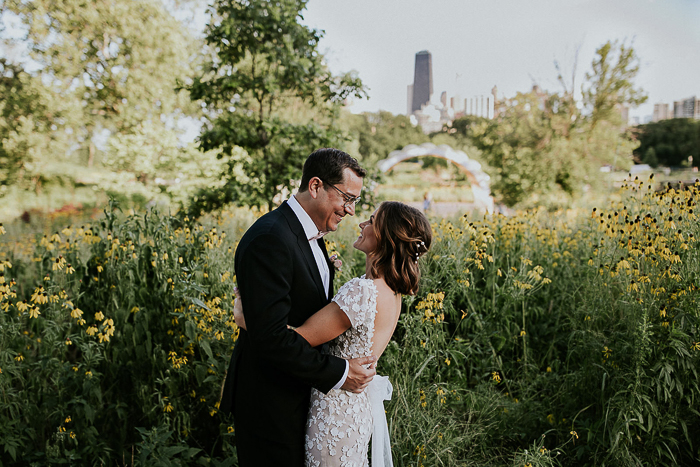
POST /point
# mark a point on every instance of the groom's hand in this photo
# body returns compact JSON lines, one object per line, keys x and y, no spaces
{"x":359,"y":376}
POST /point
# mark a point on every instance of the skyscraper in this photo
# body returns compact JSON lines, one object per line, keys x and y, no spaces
{"x":422,"y":80}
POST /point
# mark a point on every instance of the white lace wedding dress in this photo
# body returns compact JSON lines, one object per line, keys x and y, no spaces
{"x":340,"y":423}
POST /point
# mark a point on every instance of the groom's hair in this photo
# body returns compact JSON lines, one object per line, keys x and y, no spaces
{"x":328,"y":164}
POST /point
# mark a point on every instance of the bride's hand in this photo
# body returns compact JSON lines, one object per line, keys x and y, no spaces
{"x":238,"y":310}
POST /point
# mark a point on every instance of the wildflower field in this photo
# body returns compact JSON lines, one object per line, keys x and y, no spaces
{"x":569,"y":338}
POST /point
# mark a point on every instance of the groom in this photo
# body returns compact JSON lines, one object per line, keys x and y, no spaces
{"x":284,"y":276}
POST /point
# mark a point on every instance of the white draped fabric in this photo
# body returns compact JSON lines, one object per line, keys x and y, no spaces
{"x":378,"y":391}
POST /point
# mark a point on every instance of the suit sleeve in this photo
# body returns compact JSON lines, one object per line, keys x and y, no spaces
{"x":265,"y":290}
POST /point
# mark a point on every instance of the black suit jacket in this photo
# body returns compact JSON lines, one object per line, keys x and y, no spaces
{"x":272,"y":368}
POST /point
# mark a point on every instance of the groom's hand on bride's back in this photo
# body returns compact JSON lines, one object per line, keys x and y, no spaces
{"x":360,"y":373}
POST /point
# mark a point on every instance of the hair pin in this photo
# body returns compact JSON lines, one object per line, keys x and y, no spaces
{"x":420,"y":244}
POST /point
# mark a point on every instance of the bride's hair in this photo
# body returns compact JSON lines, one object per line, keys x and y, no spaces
{"x":403,"y":235}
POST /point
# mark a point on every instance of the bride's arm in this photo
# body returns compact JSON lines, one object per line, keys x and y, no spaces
{"x":323,"y":326}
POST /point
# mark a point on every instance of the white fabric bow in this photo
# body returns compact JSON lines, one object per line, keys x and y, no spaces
{"x":378,"y":391}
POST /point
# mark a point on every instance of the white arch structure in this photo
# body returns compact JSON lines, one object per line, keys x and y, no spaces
{"x":480,"y":181}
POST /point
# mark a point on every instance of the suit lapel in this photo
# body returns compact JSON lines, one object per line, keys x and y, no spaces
{"x":304,"y":247}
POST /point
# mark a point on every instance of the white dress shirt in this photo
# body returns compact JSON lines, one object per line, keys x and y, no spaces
{"x":311,"y":230}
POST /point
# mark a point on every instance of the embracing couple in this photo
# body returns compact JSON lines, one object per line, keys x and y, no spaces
{"x":301,"y":384}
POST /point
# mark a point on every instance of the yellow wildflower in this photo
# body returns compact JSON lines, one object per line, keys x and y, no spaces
{"x":39,"y":296}
{"x":607,"y":352}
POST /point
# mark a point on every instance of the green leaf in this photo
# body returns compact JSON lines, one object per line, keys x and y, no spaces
{"x":204,"y":344}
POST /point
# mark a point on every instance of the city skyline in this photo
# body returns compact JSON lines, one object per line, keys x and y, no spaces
{"x":510,"y":44}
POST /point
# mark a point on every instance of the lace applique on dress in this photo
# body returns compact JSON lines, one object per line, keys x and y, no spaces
{"x":340,"y":422}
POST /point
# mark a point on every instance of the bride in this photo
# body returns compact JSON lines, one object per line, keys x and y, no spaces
{"x":360,"y":321}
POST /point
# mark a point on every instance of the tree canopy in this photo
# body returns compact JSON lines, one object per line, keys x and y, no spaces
{"x":609,"y":84}
{"x":377,"y":134}
{"x":266,"y":90}
{"x":100,"y":71}
{"x":669,"y":142}
{"x":545,"y":145}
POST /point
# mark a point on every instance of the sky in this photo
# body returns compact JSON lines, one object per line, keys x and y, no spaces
{"x":511,"y":44}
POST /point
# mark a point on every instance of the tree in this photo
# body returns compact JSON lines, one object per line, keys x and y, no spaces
{"x":380,"y":133}
{"x":547,"y":146}
{"x":159,"y":163}
{"x":650,"y":157}
{"x":33,"y":125}
{"x":21,"y":115}
{"x":610,"y":83}
{"x":672,"y":141}
{"x":527,"y":152}
{"x":103,"y":67}
{"x":265,"y":71}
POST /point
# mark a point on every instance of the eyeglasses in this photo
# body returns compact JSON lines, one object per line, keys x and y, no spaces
{"x":349,"y":199}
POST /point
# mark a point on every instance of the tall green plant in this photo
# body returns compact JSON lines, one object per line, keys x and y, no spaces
{"x":118,"y":337}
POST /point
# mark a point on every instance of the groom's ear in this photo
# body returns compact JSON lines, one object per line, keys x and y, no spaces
{"x":315,"y":185}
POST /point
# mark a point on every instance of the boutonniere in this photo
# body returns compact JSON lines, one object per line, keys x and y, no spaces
{"x":337,"y":263}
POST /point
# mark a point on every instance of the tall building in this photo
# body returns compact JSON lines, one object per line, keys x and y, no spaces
{"x":422,"y":80}
{"x":687,"y":108}
{"x":661,"y":112}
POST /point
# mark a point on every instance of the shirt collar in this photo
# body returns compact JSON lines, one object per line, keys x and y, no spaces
{"x":310,"y":229}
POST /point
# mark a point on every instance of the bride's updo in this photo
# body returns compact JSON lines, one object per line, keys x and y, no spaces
{"x":403,"y":235}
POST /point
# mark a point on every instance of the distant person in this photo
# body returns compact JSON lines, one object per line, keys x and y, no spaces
{"x":284,"y":276}
{"x":361,"y":320}
{"x":427,"y":202}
